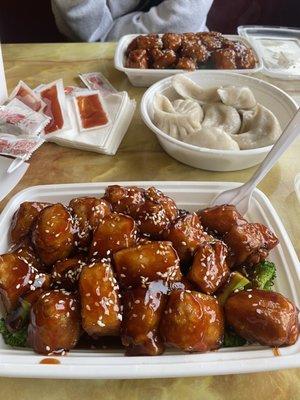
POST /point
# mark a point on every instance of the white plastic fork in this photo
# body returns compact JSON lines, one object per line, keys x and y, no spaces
{"x":241,"y":196}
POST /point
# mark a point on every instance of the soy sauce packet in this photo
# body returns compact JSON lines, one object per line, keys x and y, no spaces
{"x":53,"y":95}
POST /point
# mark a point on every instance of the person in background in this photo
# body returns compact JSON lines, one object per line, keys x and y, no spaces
{"x":108,"y":20}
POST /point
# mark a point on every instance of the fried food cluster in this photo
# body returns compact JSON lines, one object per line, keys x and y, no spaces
{"x":134,"y":266}
{"x":188,"y":51}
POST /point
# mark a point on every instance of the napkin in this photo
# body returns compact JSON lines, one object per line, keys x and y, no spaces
{"x":9,"y":180}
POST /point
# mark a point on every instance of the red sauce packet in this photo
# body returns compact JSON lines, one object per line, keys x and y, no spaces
{"x":19,"y":147}
{"x":97,"y":81}
{"x":90,"y":110}
{"x":27,"y":96}
{"x":56,"y":108}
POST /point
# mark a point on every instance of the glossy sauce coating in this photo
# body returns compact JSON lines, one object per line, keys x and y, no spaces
{"x":24,"y":218}
{"x":52,"y":235}
{"x":16,"y":278}
{"x":143,"y":308}
{"x":192,"y":321}
{"x":53,"y":109}
{"x":87,"y":213}
{"x":219,"y":220}
{"x":100,"y":300}
{"x":125,"y":200}
{"x":91,"y":111}
{"x":186,"y":234}
{"x":266,"y":317}
{"x":156,"y":213}
{"x":144,"y":263}
{"x":172,"y":41}
{"x":54,"y":322}
{"x":209,"y":270}
{"x":65,"y":273}
{"x":114,"y":232}
{"x":249,"y":244}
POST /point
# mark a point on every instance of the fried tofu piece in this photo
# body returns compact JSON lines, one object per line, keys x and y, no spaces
{"x":54,"y":322}
{"x":209,"y":270}
{"x":219,"y":220}
{"x":249,"y":244}
{"x":65,"y":273}
{"x":114,"y":232}
{"x":24,"y":218}
{"x":263,"y":316}
{"x":144,"y":263}
{"x":52,"y":234}
{"x":87,"y":213}
{"x":100,"y":300}
{"x":16,"y":278}
{"x":125,"y":200}
{"x":186,"y":235}
{"x":143,"y":308}
{"x":192,"y":321}
{"x":156,"y":214}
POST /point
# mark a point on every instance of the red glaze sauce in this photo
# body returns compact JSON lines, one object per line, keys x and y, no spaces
{"x":91,"y":111}
{"x":49,"y":360}
{"x":53,"y":109}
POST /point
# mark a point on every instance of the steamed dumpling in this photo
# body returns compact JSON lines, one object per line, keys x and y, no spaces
{"x":221,"y":116}
{"x":179,"y":119}
{"x":259,"y":128}
{"x":188,"y":89}
{"x":240,"y":97}
{"x":212,"y":138}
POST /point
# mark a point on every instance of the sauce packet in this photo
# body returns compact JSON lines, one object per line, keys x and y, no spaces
{"x":27,"y":96}
{"x":97,"y":81}
{"x":19,"y":119}
{"x":19,"y":147}
{"x":53,"y":95}
{"x":90,"y":110}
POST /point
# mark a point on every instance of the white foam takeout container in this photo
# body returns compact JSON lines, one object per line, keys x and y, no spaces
{"x":270,"y":96}
{"x":113,"y":364}
{"x":146,"y":77}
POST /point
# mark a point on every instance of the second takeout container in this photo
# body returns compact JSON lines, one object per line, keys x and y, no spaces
{"x":146,"y":77}
{"x":278,"y":48}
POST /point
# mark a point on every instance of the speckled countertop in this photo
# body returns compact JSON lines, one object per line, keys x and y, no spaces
{"x":140,"y":157}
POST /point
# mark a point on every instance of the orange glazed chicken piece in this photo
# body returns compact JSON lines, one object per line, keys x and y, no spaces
{"x":192,"y":321}
{"x":186,"y":235}
{"x":114,"y":232}
{"x":209,"y":270}
{"x":125,"y":200}
{"x":156,"y":213}
{"x":171,"y":41}
{"x":249,"y":244}
{"x":144,"y":263}
{"x":143,"y":308}
{"x":52,"y":234}
{"x":87,"y":213}
{"x":17,"y":277}
{"x":219,"y":220}
{"x":65,"y":273}
{"x":265,"y":317}
{"x":100,"y":300}
{"x":23,"y":219}
{"x":54,"y":322}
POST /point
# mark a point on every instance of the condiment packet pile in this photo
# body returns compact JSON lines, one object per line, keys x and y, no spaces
{"x":94,"y":118}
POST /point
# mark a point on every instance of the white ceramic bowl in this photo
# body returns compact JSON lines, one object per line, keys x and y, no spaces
{"x":279,"y":102}
{"x":146,"y":77}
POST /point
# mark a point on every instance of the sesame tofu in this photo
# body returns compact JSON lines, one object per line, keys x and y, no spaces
{"x":114,"y":232}
{"x":100,"y":300}
{"x":143,"y":308}
{"x":54,"y":322}
{"x":144,"y":263}
{"x":192,"y":321}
